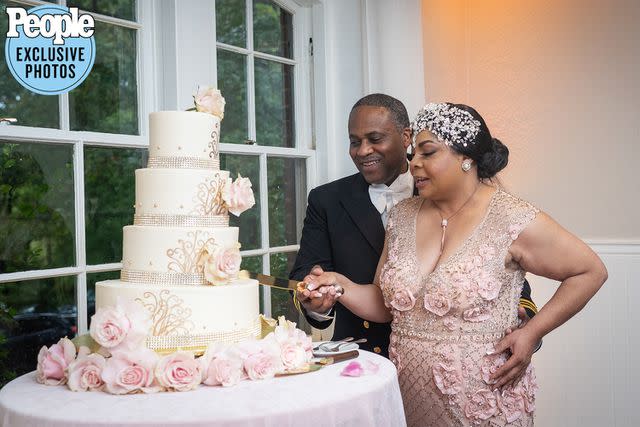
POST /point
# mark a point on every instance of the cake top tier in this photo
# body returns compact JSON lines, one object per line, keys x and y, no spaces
{"x":184,"y":139}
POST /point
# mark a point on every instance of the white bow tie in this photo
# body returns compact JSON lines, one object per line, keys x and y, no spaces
{"x":384,"y":198}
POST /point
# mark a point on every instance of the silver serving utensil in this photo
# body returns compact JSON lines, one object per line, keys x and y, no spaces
{"x":336,"y":347}
{"x":331,"y":343}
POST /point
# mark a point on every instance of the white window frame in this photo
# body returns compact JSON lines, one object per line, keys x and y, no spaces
{"x":304,"y":145}
{"x":146,"y":78}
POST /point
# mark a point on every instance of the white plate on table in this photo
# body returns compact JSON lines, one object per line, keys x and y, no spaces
{"x":344,"y":348}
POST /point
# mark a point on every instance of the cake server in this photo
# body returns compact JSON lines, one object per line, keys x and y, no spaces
{"x":275,"y":282}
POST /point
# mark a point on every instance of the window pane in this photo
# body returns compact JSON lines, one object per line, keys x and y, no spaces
{"x":287,"y":190}
{"x":107,"y":101}
{"x":37,"y":216}
{"x":281,"y":300}
{"x":232,"y":82}
{"x":109,"y":182}
{"x":124,"y":9}
{"x":252,"y":263}
{"x":231,"y":27}
{"x":43,"y":311}
{"x":249,"y":221}
{"x":272,"y":29}
{"x":92,"y":279}
{"x":274,"y":103}
{"x":15,"y":101}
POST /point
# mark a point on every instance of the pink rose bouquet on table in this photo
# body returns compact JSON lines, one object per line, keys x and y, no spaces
{"x":129,"y":372}
{"x":220,"y":367}
{"x":260,"y":358}
{"x":295,"y":345}
{"x":238,"y":195}
{"x":220,"y":264}
{"x":53,"y":362}
{"x":178,"y":371}
{"x":85,"y":373}
{"x":123,"y":327}
{"x":208,"y":99}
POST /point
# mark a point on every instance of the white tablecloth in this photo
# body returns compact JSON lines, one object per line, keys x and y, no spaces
{"x":322,"y":398}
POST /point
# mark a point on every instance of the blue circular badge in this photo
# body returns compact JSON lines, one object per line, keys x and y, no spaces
{"x":53,"y":54}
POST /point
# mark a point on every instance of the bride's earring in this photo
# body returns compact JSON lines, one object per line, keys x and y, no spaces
{"x":466,"y":165}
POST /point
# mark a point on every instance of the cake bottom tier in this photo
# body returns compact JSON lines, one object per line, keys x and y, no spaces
{"x":190,"y":317}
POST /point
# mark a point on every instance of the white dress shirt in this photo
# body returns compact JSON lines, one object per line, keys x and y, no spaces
{"x":384,"y":197}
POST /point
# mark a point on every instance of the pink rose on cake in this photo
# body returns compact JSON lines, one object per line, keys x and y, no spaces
{"x":220,"y":264}
{"x":131,"y":372}
{"x":124,"y":326}
{"x":178,"y":371}
{"x":209,"y":100}
{"x":85,"y":373}
{"x":238,"y":195}
{"x":53,"y":361}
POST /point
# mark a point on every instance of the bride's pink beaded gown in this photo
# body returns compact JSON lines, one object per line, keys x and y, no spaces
{"x":445,"y":322}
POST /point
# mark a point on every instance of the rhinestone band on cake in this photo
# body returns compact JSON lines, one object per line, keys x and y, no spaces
{"x":183,"y":163}
{"x":160,"y":279}
{"x":182,"y":220}
{"x":200,"y":341}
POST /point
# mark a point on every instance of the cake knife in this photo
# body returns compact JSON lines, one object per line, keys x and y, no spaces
{"x":280,"y":283}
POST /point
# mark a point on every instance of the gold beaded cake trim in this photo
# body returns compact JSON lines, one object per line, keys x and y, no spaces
{"x":183,"y":163}
{"x":199,"y":342}
{"x":158,"y":278}
{"x":161,"y":220}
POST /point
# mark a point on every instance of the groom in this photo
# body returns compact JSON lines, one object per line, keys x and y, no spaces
{"x":344,"y":225}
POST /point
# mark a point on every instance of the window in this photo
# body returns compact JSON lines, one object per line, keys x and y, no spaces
{"x":262,"y":69}
{"x":67,"y":166}
{"x":66,"y":184}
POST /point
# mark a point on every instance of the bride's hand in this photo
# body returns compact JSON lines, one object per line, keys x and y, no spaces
{"x":327,"y":282}
{"x":520,"y":343}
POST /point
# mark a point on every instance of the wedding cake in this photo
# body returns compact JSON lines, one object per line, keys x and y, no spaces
{"x":180,"y":258}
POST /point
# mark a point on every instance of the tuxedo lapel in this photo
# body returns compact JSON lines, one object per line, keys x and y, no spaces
{"x":363,"y":214}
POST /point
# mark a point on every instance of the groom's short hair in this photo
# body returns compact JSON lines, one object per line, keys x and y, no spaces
{"x":394,"y":106}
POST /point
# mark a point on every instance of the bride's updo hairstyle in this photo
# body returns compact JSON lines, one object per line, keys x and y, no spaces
{"x":466,"y":132}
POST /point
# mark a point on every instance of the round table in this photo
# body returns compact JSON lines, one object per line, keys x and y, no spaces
{"x":321,"y":398}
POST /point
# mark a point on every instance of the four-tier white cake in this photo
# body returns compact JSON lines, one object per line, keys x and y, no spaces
{"x":181,"y":219}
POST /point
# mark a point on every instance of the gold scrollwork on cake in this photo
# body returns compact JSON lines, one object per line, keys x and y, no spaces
{"x":208,"y":200}
{"x":169,"y":316}
{"x":213,"y":144}
{"x":184,"y":259}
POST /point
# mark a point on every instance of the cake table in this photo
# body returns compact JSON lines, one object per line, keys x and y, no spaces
{"x":321,"y":398}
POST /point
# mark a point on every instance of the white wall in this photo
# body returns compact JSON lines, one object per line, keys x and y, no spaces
{"x":557,"y":83}
{"x":361,"y":47}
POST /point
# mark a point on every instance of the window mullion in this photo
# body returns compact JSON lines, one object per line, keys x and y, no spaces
{"x":63,"y":106}
{"x":251,"y":93}
{"x":81,"y":258}
{"x":264,"y":230}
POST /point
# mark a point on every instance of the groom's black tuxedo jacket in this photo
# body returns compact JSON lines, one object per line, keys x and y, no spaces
{"x":343,"y":232}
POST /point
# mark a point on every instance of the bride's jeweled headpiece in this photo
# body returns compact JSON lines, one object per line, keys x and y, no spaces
{"x":449,"y":123}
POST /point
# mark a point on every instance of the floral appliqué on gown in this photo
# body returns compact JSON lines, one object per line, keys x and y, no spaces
{"x":445,"y":322}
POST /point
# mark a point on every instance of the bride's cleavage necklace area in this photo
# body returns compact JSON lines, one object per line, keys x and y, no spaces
{"x":445,"y":221}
